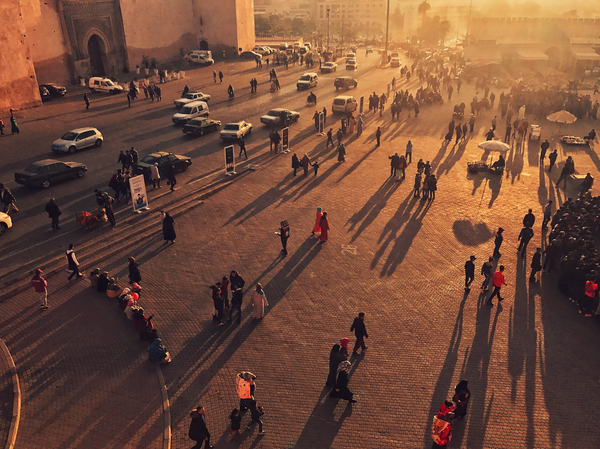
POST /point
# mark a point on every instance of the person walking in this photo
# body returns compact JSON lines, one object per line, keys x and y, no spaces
{"x":360,"y":331}
{"x":317,"y":226}
{"x":340,"y":389}
{"x":498,"y":242}
{"x":552,"y":158}
{"x":198,"y":431}
{"x":417,"y":185}
{"x":215,"y":76}
{"x":284,"y":235}
{"x":461,"y":398}
{"x":359,"y":125}
{"x":324,"y":223}
{"x":441,"y":427}
{"x":155,"y":175}
{"x":242,"y":144}
{"x":525,"y":236}
{"x":221,"y":76}
{"x":276,"y":140}
{"x":536,"y":264}
{"x":256,"y":411}
{"x":134,"y":271}
{"x":315,"y":167}
{"x":469,"y":272}
{"x":235,"y":279}
{"x":378,"y":135}
{"x":543,"y":148}
{"x":172,"y":180}
{"x":547,"y":214}
{"x":73,"y":263}
{"x":168,"y":227}
{"x":471,"y":123}
{"x":394,"y":164}
{"x":497,"y":281}
{"x":529,"y":219}
{"x":8,"y":200}
{"x":339,"y":136}
{"x":237,"y":297}
{"x":341,"y":153}
{"x":408,"y":153}
{"x":259,"y":302}
{"x":329,"y":138}
{"x":86,"y":101}
{"x":336,"y":356}
{"x":486,"y":270}
{"x":53,"y":212}
{"x":295,"y":163}
{"x":305,"y":162}
{"x":40,"y":286}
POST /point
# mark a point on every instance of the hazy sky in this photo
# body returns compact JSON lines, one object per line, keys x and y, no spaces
{"x":539,"y":8}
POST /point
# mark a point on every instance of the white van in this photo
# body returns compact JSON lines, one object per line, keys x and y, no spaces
{"x":350,"y":56}
{"x":191,"y":110}
{"x":344,"y":103}
{"x":199,"y":57}
{"x":307,"y":81}
{"x":99,"y":84}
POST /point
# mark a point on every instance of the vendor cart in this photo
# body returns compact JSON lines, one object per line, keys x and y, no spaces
{"x":91,"y":220}
{"x":535,"y":132}
{"x":477,"y":167}
{"x":574,"y":140}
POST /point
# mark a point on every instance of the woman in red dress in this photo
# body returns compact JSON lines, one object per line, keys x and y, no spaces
{"x":317,"y":226}
{"x":324,"y":228}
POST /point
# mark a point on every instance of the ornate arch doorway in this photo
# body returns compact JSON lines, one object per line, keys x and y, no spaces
{"x":203,"y":45}
{"x":97,"y":51}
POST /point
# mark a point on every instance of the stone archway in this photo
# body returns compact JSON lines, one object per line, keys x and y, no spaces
{"x":97,"y":52}
{"x":203,"y":45}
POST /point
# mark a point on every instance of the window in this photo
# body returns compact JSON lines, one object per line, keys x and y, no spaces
{"x":56,"y":168}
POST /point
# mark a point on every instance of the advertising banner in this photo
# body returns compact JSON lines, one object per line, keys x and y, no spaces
{"x":229,"y":161}
{"x":362,"y":102}
{"x":285,"y":139}
{"x":139,"y":199}
{"x":321,"y":123}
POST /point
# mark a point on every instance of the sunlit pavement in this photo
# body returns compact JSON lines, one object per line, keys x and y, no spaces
{"x":531,"y":364}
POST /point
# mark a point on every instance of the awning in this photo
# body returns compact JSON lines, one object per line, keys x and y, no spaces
{"x":479,"y":55}
{"x":531,"y":54}
{"x":585,"y":54}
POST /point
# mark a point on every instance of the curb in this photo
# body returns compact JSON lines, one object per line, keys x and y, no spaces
{"x":166,"y":409}
{"x":16,"y":408}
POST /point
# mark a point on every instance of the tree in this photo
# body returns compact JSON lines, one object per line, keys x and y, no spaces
{"x":424,"y":7}
{"x":397,"y":19}
{"x":262,"y":27}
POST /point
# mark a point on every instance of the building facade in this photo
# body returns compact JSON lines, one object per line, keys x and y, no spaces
{"x":68,"y":39}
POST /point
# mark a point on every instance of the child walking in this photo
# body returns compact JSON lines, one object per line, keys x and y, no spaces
{"x":256,"y":411}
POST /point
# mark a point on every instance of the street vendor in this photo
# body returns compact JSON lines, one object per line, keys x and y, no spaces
{"x":499,"y":164}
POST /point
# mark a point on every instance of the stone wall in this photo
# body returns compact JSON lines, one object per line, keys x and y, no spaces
{"x":18,"y":82}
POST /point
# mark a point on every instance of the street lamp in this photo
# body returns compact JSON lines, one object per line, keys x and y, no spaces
{"x":328,"y":29}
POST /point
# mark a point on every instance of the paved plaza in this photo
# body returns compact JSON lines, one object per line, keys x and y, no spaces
{"x":531,"y":362}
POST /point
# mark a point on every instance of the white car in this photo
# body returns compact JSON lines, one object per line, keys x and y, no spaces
{"x":77,"y":139}
{"x":236,"y":130}
{"x":191,"y":110}
{"x":351,"y":64}
{"x":5,"y":222}
{"x":328,"y":67}
{"x":262,"y":50}
{"x":98,"y":84}
{"x":199,"y":57}
{"x":273,"y":117}
{"x":189,"y":97}
{"x":344,"y":103}
{"x":395,"y":62}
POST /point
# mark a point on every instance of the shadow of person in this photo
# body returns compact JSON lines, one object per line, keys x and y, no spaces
{"x":495,"y":182}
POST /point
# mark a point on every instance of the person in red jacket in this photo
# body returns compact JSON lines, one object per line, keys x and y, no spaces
{"x":498,"y":281}
{"x":441,"y":428}
{"x":39,"y":285}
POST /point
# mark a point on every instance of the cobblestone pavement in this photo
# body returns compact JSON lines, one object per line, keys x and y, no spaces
{"x":530,"y":364}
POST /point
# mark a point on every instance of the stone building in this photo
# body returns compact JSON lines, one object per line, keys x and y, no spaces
{"x":62,"y":40}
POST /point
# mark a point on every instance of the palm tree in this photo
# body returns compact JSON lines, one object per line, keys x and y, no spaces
{"x":424,"y":7}
{"x":443,"y":28}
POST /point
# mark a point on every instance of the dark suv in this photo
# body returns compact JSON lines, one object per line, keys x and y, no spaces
{"x":164,"y":160}
{"x":345,"y":82}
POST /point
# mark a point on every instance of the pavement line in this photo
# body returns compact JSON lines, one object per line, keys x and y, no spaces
{"x":16,"y":408}
{"x":166,"y":409}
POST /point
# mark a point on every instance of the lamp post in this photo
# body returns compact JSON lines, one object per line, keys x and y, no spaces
{"x":328,"y":29}
{"x":387,"y":29}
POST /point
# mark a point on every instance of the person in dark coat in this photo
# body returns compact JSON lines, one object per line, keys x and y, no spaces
{"x":336,"y":356}
{"x":378,"y":135}
{"x":171,"y":177}
{"x":236,"y":280}
{"x":552,"y":158}
{"x":198,"y":431}
{"x":497,"y":242}
{"x":529,"y":219}
{"x":295,"y":163}
{"x":360,"y":331}
{"x":469,"y":272}
{"x":53,"y":213}
{"x":73,"y":263}
{"x":340,"y":390}
{"x":525,"y":236}
{"x":134,"y":271}
{"x":168,"y":228}
{"x":544,"y":147}
{"x":536,"y":264}
{"x":461,"y":398}
{"x":237,"y":297}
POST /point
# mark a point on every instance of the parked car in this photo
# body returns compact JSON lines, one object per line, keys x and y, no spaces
{"x":191,"y":110}
{"x":47,"y":172}
{"x":191,"y":96}
{"x":344,"y":103}
{"x":78,"y":139}
{"x":201,"y":126}
{"x":262,"y":50}
{"x":164,"y":160}
{"x":99,"y":84}
{"x":44,"y":93}
{"x":345,"y":82}
{"x":351,"y":64}
{"x":395,"y":62}
{"x":328,"y":67}
{"x":236,"y":130}
{"x":199,"y":57}
{"x":273,"y":117}
{"x":5,"y":222}
{"x":55,"y":90}
{"x":308,"y":80}
{"x":250,"y":55}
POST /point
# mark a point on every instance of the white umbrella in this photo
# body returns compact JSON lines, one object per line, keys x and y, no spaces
{"x":562,"y":117}
{"x":494,"y":145}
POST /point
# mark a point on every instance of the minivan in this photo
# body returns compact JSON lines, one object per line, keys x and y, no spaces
{"x":344,"y":103}
{"x":307,"y":81}
{"x":99,"y":84}
{"x":350,"y":56}
{"x":191,"y":110}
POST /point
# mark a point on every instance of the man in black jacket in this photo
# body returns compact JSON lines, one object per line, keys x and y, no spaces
{"x":237,"y":297}
{"x":198,"y":431}
{"x":529,"y":219}
{"x":53,"y":213}
{"x":236,"y":279}
{"x":360,"y":331}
